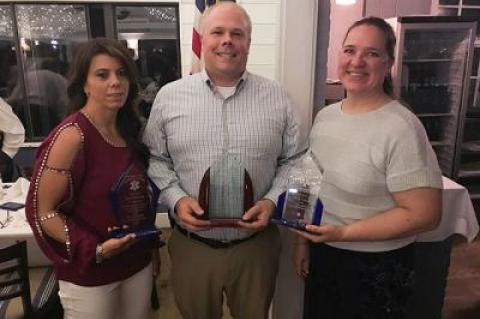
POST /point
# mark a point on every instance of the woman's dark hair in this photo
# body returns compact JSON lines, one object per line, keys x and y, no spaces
{"x":128,"y":122}
{"x":390,"y":42}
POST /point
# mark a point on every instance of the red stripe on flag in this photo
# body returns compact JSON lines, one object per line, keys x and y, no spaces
{"x":196,"y":43}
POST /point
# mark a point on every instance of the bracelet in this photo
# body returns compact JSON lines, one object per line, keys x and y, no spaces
{"x":51,"y":214}
{"x":99,"y":253}
{"x":57,"y":170}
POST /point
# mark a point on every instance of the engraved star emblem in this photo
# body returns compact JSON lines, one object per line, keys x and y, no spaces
{"x":134,"y":185}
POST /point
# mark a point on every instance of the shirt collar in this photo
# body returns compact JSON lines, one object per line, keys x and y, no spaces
{"x":210,"y":84}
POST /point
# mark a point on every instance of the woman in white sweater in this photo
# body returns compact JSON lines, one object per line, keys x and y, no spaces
{"x":381,"y":186}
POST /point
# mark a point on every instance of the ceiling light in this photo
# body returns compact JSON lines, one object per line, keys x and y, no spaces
{"x":345,"y":2}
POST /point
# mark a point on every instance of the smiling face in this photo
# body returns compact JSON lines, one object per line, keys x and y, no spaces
{"x":225,"y":44}
{"x":107,"y":84}
{"x":363,"y":61}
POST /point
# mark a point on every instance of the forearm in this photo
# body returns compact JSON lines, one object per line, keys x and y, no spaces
{"x":394,"y":223}
{"x":52,"y":189}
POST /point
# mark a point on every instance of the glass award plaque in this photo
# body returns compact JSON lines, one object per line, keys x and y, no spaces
{"x":133,"y":199}
{"x":300,"y":205}
{"x":225,"y":193}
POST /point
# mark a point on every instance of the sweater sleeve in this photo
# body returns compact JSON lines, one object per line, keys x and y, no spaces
{"x":411,"y":161}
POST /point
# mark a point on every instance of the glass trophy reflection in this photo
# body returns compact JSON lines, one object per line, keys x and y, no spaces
{"x":226,"y":192}
{"x":133,"y":199}
{"x":300,"y":205}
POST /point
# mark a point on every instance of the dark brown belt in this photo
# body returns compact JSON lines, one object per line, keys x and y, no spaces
{"x":213,"y":243}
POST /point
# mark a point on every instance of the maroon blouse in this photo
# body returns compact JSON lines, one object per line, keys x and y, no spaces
{"x":95,"y":170}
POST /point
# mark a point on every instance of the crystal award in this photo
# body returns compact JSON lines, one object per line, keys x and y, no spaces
{"x":226,"y":192}
{"x":133,"y":199}
{"x":300,"y":205}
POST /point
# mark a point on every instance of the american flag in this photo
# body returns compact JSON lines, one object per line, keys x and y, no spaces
{"x":200,"y":6}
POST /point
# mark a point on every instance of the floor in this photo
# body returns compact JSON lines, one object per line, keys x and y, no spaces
{"x":462,"y":299}
{"x":462,"y":296}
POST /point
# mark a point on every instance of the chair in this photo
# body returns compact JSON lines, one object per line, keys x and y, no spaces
{"x":46,"y":303}
{"x":24,"y":161}
{"x":154,"y":297}
{"x":14,"y":279}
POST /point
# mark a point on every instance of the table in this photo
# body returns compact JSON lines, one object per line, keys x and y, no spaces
{"x":432,"y":251}
{"x":17,"y":228}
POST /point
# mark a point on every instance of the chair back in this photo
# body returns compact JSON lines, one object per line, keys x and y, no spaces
{"x":14,"y":278}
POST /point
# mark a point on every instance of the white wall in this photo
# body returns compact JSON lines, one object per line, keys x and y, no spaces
{"x":298,"y":55}
{"x":341,"y":17}
{"x":434,"y":9}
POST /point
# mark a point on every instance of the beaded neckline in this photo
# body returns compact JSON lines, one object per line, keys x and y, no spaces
{"x":105,"y":138}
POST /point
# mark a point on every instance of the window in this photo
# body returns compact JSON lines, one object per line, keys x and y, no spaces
{"x":47,"y":37}
{"x":150,"y":33}
{"x":7,"y":51}
{"x":38,"y":41}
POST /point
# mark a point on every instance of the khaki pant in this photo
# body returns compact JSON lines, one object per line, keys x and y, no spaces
{"x":245,"y":273}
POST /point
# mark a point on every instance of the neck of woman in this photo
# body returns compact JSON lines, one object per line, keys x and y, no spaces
{"x":363,"y":103}
{"x":103,"y":118}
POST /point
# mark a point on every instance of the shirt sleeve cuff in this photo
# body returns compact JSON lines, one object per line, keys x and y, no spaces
{"x":273,"y":195}
{"x":171,"y":196}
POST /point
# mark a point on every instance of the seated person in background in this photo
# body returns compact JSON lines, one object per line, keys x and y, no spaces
{"x":68,"y":204}
{"x":47,"y":96}
{"x":12,"y":135}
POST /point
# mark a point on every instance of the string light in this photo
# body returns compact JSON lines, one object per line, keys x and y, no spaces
{"x":6,"y":28}
{"x":51,"y":21}
{"x":162,"y":14}
{"x":64,"y":21}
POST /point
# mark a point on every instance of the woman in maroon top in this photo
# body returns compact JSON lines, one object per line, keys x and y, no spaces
{"x":69,"y":205}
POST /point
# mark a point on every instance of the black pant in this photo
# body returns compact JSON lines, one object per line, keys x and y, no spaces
{"x":345,"y":284}
{"x":6,"y":167}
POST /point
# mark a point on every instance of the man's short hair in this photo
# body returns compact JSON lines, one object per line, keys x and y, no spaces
{"x":207,"y":12}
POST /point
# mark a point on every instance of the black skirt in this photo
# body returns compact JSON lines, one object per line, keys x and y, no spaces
{"x":345,"y":284}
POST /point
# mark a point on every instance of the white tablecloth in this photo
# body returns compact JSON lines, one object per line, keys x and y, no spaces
{"x":458,"y":215}
{"x":17,"y":227}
